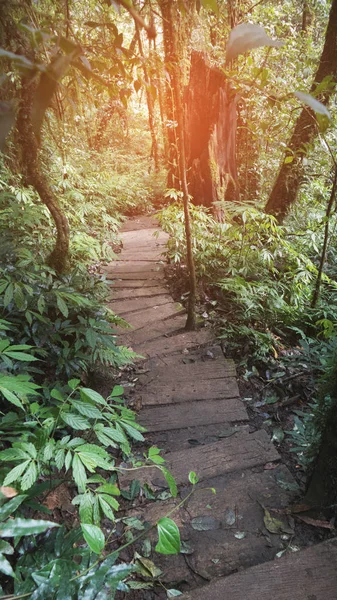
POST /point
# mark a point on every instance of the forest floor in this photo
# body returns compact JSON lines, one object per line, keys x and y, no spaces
{"x":188,"y":399}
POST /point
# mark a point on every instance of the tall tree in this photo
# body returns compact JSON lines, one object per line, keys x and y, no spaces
{"x":287,"y":184}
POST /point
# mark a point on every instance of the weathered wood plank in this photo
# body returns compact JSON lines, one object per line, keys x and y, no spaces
{"x":163,"y":346}
{"x":134,"y":292}
{"x":123,"y":307}
{"x":161,"y":392}
{"x":148,"y":316}
{"x":237,"y":453}
{"x":147,"y":277}
{"x":191,"y":414}
{"x":310,"y":574}
{"x":176,"y":370}
{"x":133,"y":283}
{"x":122,"y":267}
{"x":158,"y":330}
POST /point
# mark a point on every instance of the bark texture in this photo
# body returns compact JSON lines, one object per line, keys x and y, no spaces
{"x":287,"y":184}
{"x":210,"y":134}
{"x":34,"y":176}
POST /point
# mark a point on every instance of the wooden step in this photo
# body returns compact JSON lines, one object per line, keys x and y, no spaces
{"x":120,"y":267}
{"x":225,"y":532}
{"x":134,"y":292}
{"x":125,"y":307}
{"x":310,"y":574}
{"x":135,"y":282}
{"x":183,"y":341}
{"x":179,"y":390}
{"x":190,"y":437}
{"x":157,"y":330}
{"x":236,"y":453}
{"x":148,"y":316}
{"x":193,"y":414}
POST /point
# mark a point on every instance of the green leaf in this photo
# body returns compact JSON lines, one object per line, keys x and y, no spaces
{"x":75,"y":421}
{"x":106,"y":508}
{"x":12,"y":398}
{"x":169,"y":537}
{"x":74,"y":383}
{"x":88,"y":394}
{"x":117,"y":391}
{"x":247,"y":36}
{"x":79,"y":473}
{"x":63,"y":308}
{"x":316,"y":106}
{"x":133,"y":433}
{"x":94,"y":537}
{"x":9,"y":508}
{"x":23,"y":356}
{"x":193,"y":478}
{"x":86,"y":409}
{"x":85,"y":510}
{"x":6,"y":567}
{"x":171,"y":481}
{"x":108,"y":488}
{"x":30,"y":476}
{"x":18,"y":527}
{"x":172,"y":593}
{"x":15,"y":473}
{"x":8,"y":297}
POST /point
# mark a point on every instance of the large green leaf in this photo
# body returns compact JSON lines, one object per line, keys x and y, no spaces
{"x":169,"y":537}
{"x":75,"y":421}
{"x":15,"y":527}
{"x":10,"y":507}
{"x":79,"y":472}
{"x":16,"y":472}
{"x":88,"y":394}
{"x":87,"y":409}
{"x":94,"y":537}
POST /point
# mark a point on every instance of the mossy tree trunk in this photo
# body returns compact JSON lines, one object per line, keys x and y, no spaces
{"x":287,"y":184}
{"x":210,"y":134}
{"x":34,"y":176}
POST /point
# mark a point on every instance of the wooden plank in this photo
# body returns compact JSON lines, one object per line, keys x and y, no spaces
{"x":136,"y":255}
{"x":192,"y":414}
{"x":159,"y":330}
{"x":179,"y":372}
{"x":148,"y":316}
{"x":148,"y":292}
{"x":234,"y":508}
{"x":134,"y":282}
{"x":123,"y":307}
{"x":117,"y":269}
{"x":163,"y":346}
{"x":237,"y":453}
{"x":310,"y":574}
{"x":145,"y":276}
{"x":161,"y":392}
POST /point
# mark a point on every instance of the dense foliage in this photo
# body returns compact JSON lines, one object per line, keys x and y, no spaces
{"x":92,"y":120}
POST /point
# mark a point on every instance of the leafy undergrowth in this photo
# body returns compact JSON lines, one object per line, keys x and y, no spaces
{"x":255,"y":284}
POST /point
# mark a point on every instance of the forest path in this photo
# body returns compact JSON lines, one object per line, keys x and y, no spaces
{"x":188,"y":398}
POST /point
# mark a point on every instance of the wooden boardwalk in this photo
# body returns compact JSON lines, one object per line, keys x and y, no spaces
{"x":191,"y":407}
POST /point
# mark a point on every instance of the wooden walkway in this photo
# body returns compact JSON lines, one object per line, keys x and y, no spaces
{"x":190,"y":405}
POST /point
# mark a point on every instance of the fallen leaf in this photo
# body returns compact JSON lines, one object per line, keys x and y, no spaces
{"x":8,"y":492}
{"x":146,"y":567}
{"x":240,"y":535}
{"x":316,"y":522}
{"x":225,"y":433}
{"x":298,"y":508}
{"x":274,"y":525}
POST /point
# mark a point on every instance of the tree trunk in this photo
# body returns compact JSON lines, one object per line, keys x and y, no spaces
{"x":287,"y":184}
{"x":210,"y":134}
{"x":35,"y":177}
{"x":150,"y":102}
